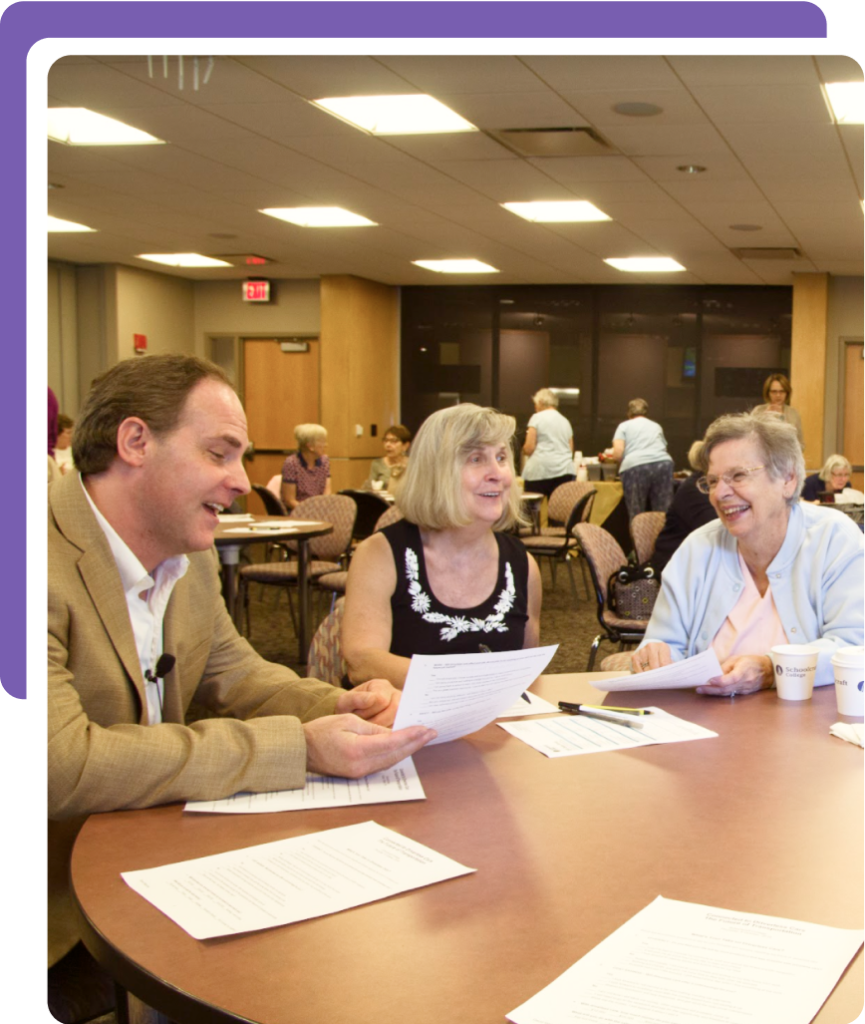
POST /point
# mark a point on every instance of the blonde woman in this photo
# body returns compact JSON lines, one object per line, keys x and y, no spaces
{"x":448,"y":578}
{"x":306,"y":473}
{"x":833,"y":478}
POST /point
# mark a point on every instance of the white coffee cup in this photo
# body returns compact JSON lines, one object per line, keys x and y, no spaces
{"x":794,"y":665}
{"x":848,"y":663}
{"x":377,"y":485}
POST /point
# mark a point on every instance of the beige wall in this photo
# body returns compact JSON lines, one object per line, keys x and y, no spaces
{"x":844,"y":322}
{"x":156,"y":305}
{"x":62,"y":336}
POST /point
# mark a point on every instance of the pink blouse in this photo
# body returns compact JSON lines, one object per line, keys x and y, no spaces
{"x":753,"y":625}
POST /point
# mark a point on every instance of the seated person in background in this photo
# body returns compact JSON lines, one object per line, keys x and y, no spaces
{"x":397,"y":441}
{"x":447,"y":578}
{"x":306,"y":473}
{"x":63,"y":446}
{"x":691,"y":508}
{"x":772,"y":570}
{"x":132,"y":576}
{"x":834,"y":477}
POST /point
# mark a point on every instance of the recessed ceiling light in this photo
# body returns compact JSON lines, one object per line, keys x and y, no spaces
{"x":645,"y":264}
{"x":846,"y":101}
{"x":416,"y":114}
{"x":77,"y":126}
{"x":560,"y":212}
{"x":691,"y":169}
{"x":456,"y":266}
{"x":746,"y":227}
{"x":319,"y":217}
{"x":56,"y":224}
{"x":183,"y":259}
{"x":638,"y":109}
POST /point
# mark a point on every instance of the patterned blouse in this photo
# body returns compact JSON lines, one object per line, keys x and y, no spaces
{"x":310,"y":480}
{"x":423,"y":625}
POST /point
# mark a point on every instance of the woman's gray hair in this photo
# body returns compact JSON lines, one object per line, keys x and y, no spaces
{"x":833,"y":463}
{"x":694,"y":454}
{"x":546,"y":399}
{"x":638,"y":407}
{"x":778,"y":442}
{"x":432,"y":495}
{"x":307,"y":434}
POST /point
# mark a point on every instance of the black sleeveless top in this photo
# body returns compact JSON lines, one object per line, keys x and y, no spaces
{"x":422,"y":625}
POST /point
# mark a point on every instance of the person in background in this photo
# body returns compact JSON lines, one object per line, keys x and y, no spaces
{"x":53,"y":468}
{"x":449,"y":578}
{"x":645,"y":466}
{"x":549,"y":446}
{"x":306,"y":473}
{"x":63,"y":447}
{"x":776,"y":396}
{"x":396,"y":441}
{"x":771,"y":570}
{"x":690,"y":508}
{"x":834,"y":477}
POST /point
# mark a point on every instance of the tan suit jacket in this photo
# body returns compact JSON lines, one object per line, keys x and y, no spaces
{"x":102,"y":755}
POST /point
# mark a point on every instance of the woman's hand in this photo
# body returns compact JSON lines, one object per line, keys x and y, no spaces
{"x":375,"y":700}
{"x":745,"y":673}
{"x":654,"y":655}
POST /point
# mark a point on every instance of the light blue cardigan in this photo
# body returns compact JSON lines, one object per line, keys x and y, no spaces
{"x":816,"y":580}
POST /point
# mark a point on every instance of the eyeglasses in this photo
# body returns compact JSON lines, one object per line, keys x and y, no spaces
{"x":735,"y":478}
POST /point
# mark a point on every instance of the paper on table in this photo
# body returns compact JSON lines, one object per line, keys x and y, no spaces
{"x":681,"y":962}
{"x":234,"y":517}
{"x":460,"y":693}
{"x":290,"y":880}
{"x":852,"y":732}
{"x":534,"y":706}
{"x":681,"y":675}
{"x":395,"y":784}
{"x":580,"y":734}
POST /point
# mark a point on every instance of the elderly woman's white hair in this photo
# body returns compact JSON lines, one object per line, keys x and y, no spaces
{"x":546,"y":399}
{"x":307,"y":434}
{"x":778,"y":442}
{"x":832,"y":465}
{"x":431,"y":495}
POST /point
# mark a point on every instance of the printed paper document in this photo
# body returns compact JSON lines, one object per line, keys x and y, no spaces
{"x":460,"y":693}
{"x":580,"y":734}
{"x":682,"y":962}
{"x":681,"y":675}
{"x":535,"y":705}
{"x":390,"y":786}
{"x":290,"y":880}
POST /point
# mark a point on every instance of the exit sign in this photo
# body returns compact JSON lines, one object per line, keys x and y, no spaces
{"x":256,"y":291}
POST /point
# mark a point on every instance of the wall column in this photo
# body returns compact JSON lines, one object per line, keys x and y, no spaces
{"x":808,"y":359}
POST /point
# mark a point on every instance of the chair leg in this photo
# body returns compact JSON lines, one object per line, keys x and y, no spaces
{"x":585,"y":578}
{"x":573,"y":584}
{"x":553,"y":571}
{"x":595,"y":645}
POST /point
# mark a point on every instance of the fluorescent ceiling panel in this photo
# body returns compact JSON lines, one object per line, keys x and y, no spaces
{"x":456,"y":266}
{"x":645,"y":264}
{"x":846,"y":101}
{"x":396,"y":115}
{"x":319,"y":216}
{"x":559,"y":212}
{"x":78,"y":126}
{"x":183,"y":259}
{"x":57,"y":224}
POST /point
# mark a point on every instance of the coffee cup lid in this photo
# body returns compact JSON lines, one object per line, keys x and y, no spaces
{"x":849,"y":657}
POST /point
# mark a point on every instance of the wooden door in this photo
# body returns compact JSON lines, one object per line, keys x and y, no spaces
{"x":851,"y":441}
{"x":280,"y":390}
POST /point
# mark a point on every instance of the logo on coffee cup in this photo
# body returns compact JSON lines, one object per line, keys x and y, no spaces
{"x":779,"y":670}
{"x":861,"y":684}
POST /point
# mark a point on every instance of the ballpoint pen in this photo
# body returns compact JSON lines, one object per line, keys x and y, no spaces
{"x":565,"y":706}
{"x":483,"y":649}
{"x":577,"y":709}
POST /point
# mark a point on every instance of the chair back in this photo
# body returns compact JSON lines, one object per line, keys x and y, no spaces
{"x":329,"y":508}
{"x":325,"y":661}
{"x":370,"y":508}
{"x":580,"y":512}
{"x":565,"y":496}
{"x":645,"y":528}
{"x":273,"y":506}
{"x":392,"y":515}
{"x":604,"y":555}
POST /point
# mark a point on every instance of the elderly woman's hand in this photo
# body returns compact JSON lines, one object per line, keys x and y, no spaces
{"x":654,"y":655}
{"x":745,"y":673}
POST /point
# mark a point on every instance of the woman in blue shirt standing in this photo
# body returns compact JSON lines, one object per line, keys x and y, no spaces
{"x":645,"y":466}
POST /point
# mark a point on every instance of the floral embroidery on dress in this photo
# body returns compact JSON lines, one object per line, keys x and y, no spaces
{"x":454,"y":625}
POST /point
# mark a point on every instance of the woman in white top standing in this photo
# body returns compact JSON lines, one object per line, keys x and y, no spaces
{"x":549,"y":446}
{"x":645,"y":466}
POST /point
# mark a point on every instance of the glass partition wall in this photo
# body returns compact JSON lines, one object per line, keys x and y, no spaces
{"x":691,"y":352}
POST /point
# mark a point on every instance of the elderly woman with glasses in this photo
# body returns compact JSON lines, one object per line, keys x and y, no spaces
{"x":776,"y":396}
{"x":833,"y":477}
{"x":771,"y":570}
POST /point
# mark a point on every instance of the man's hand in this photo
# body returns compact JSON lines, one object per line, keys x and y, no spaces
{"x":376,"y":701}
{"x":654,"y":655}
{"x":347,"y":746}
{"x":745,"y":673}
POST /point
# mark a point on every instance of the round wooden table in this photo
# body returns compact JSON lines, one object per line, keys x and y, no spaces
{"x":231,"y":537}
{"x":766,"y":818}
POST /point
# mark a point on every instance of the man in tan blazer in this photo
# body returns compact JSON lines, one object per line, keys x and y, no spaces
{"x":159,"y":445}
